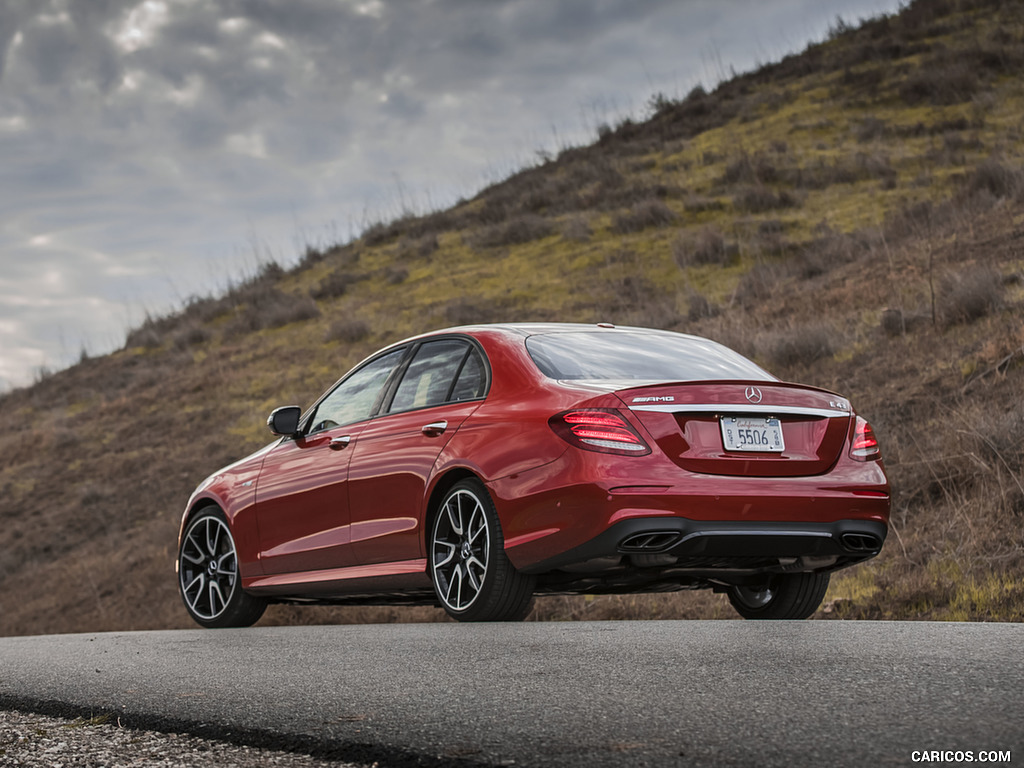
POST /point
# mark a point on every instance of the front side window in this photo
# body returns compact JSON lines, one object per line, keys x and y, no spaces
{"x":353,"y":400}
{"x":429,"y":378}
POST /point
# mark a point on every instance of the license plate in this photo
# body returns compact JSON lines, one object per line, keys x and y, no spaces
{"x":740,"y":433}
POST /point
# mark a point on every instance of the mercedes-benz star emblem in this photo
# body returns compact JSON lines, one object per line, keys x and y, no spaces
{"x":753,"y":394}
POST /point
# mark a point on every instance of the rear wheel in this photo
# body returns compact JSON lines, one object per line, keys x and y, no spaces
{"x":208,"y":578}
{"x":786,"y":596}
{"x":473,"y":578}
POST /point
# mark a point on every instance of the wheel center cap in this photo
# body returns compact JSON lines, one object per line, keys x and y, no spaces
{"x":466,"y":550}
{"x":212,"y":566}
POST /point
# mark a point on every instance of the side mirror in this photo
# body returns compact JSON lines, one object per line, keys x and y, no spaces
{"x":285,"y":421}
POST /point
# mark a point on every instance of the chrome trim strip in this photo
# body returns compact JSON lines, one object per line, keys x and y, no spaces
{"x":773,"y":410}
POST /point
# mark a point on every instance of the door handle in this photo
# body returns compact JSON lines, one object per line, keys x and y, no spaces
{"x":435,"y":428}
{"x":337,"y":443}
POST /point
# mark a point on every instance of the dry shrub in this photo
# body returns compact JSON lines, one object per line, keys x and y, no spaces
{"x":971,"y":294}
{"x":378,"y":233}
{"x":293,"y":309}
{"x":149,"y":335}
{"x":409,"y":225}
{"x":756,"y":285}
{"x":994,"y":177}
{"x":647,"y":213}
{"x":577,"y":229}
{"x":332,"y":286}
{"x":271,"y":308}
{"x":798,"y":346}
{"x":708,"y":246}
{"x":517,"y":230}
{"x":893,"y":322}
{"x":700,"y":204}
{"x":699,"y":307}
{"x":758,"y":199}
{"x":913,"y":220}
{"x":204,"y":309}
{"x":756,"y":169}
{"x":347,"y":330}
{"x":828,"y":250}
{"x":190,"y":335}
{"x":396,"y":275}
{"x":863,"y":80}
{"x":464,"y":311}
{"x":418,"y":247}
{"x":941,"y":81}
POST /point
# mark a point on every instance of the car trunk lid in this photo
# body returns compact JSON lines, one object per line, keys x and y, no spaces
{"x":743,"y":428}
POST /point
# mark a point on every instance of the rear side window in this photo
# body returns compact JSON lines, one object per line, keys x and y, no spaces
{"x":431,"y":375}
{"x":472,"y":381}
{"x":638,"y":356}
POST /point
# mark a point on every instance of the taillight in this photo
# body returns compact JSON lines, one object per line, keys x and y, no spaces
{"x":864,"y":446}
{"x":605,"y":431}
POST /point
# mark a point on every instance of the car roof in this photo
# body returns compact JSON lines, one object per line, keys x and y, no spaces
{"x":534,"y":329}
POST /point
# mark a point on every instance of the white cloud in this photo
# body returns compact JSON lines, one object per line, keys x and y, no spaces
{"x":141,"y":26}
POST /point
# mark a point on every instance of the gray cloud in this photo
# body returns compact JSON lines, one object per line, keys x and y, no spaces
{"x":152,"y":148}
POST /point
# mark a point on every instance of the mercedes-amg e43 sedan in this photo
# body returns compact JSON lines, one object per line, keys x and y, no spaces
{"x":475,"y":467}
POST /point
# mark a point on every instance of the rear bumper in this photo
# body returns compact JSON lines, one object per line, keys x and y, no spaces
{"x":712,"y":545}
{"x":586,"y":504}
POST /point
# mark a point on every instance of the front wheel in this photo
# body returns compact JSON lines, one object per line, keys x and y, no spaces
{"x":208,"y":578}
{"x":473,"y":578}
{"x":786,"y":596}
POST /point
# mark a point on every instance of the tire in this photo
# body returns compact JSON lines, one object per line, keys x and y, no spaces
{"x":208,"y":579}
{"x":786,"y":596}
{"x":472,"y":576}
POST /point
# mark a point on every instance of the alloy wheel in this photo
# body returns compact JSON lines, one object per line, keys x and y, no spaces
{"x":208,"y":567}
{"x":754,"y":598}
{"x":460,"y":550}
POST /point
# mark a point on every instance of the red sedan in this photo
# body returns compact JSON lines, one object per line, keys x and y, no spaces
{"x":475,"y":467}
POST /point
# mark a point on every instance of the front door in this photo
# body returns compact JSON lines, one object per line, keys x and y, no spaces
{"x":302,"y":508}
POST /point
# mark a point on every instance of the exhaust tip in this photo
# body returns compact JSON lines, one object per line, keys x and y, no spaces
{"x":654,"y":541}
{"x":860,"y":542}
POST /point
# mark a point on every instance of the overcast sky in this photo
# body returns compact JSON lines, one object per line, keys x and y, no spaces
{"x":154,"y":150}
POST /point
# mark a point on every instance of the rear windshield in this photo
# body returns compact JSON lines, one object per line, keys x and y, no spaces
{"x":641,"y":356}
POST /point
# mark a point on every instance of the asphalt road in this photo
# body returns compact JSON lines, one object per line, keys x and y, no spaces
{"x":573,"y":694}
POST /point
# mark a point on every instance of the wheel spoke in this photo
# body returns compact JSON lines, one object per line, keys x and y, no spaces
{"x":211,"y":544}
{"x":455,"y":524}
{"x":191,"y":558}
{"x":457,"y":571}
{"x":476,"y":582}
{"x":477,"y":512}
{"x":215,"y":592}
{"x":196,"y":583}
{"x":449,"y":558}
{"x":190,"y":539}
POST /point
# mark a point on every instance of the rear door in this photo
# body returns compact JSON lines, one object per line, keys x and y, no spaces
{"x":752,"y":428}
{"x":445,"y":381}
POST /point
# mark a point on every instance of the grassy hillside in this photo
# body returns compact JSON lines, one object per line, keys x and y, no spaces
{"x":851,"y":217}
